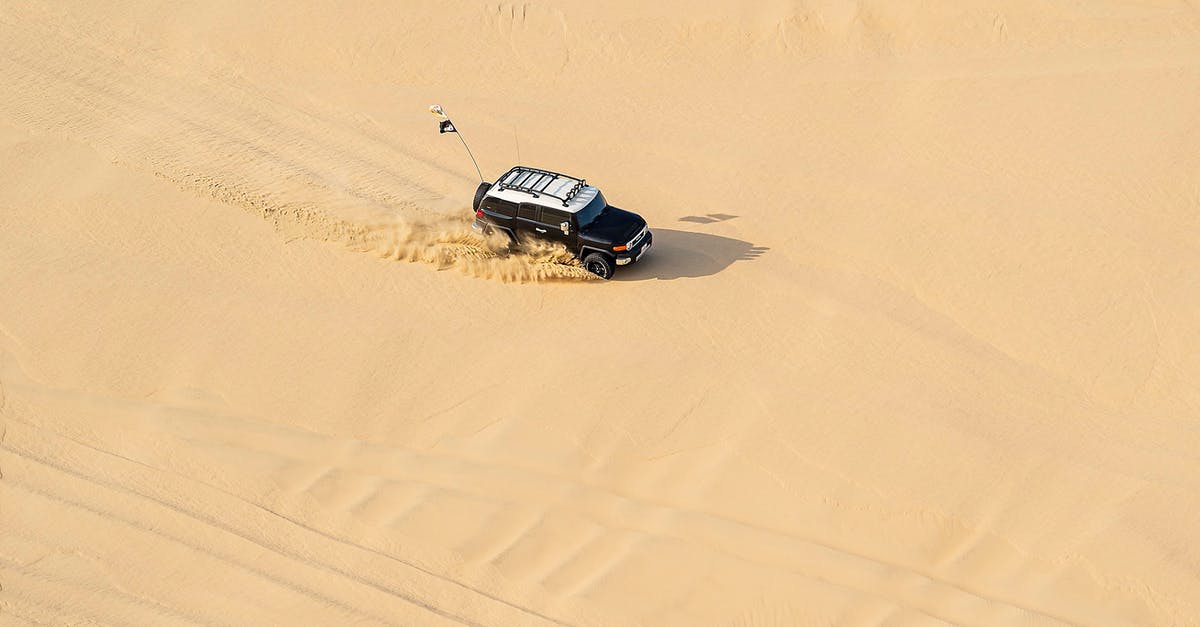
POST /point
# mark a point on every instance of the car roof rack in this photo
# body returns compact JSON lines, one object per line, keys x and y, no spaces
{"x":536,"y":181}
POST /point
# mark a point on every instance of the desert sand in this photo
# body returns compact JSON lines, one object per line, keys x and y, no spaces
{"x":918,"y":343}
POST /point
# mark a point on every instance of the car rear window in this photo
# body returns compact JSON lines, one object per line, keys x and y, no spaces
{"x":501,"y":207}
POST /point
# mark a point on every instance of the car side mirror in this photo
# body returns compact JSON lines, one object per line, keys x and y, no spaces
{"x":566,"y":228}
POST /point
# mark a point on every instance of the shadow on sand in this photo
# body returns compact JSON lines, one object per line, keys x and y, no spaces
{"x":708,"y":219}
{"x":684,"y":254}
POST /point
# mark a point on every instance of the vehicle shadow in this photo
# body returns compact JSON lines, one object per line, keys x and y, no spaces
{"x":685,"y":254}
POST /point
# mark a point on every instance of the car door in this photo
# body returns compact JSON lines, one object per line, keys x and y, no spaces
{"x":549,"y":226}
{"x":527,"y":220}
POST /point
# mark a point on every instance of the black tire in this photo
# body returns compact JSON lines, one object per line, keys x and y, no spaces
{"x":600,"y":265}
{"x":480,"y":192}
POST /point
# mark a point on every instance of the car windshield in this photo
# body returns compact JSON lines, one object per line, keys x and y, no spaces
{"x":591,"y":211}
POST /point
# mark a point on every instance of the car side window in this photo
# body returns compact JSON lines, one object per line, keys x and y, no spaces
{"x":501,"y":207}
{"x":528,"y":211}
{"x":554,"y":217}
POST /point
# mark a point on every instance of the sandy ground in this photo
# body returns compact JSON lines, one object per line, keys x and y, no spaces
{"x":917,"y":344}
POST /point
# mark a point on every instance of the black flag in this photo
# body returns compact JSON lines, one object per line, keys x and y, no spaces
{"x":447,"y":126}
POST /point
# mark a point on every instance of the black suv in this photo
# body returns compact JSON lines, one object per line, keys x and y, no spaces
{"x":528,"y":202}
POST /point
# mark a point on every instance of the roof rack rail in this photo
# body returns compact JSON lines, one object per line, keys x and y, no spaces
{"x":535,"y":181}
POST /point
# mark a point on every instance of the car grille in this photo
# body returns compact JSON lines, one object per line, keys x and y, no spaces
{"x":638,"y":239}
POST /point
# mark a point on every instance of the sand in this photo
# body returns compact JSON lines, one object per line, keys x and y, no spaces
{"x":917,"y":343}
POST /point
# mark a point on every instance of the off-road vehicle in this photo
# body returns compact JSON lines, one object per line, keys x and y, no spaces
{"x":532,"y":203}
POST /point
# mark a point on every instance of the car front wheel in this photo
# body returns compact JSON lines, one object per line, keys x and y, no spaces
{"x":600,"y":265}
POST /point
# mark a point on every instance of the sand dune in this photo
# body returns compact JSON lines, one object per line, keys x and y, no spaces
{"x":916,"y":344}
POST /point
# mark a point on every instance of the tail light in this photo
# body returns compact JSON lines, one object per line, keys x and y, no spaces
{"x":479,"y":213}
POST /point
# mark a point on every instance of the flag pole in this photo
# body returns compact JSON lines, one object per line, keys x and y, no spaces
{"x":464,"y":143}
{"x":441,"y":113}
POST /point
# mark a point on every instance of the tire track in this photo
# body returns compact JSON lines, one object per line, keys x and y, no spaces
{"x":709,"y":530}
{"x":133,"y":522}
{"x":159,"y":611}
{"x":249,"y":129}
{"x":326,"y":183}
{"x":272,"y":546}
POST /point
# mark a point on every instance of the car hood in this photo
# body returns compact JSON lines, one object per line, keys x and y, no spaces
{"x":614,"y":226}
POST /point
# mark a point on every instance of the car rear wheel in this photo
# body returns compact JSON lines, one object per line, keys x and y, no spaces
{"x":600,"y":265}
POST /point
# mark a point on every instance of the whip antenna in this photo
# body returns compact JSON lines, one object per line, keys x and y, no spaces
{"x":518,"y":142}
{"x":446,"y":126}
